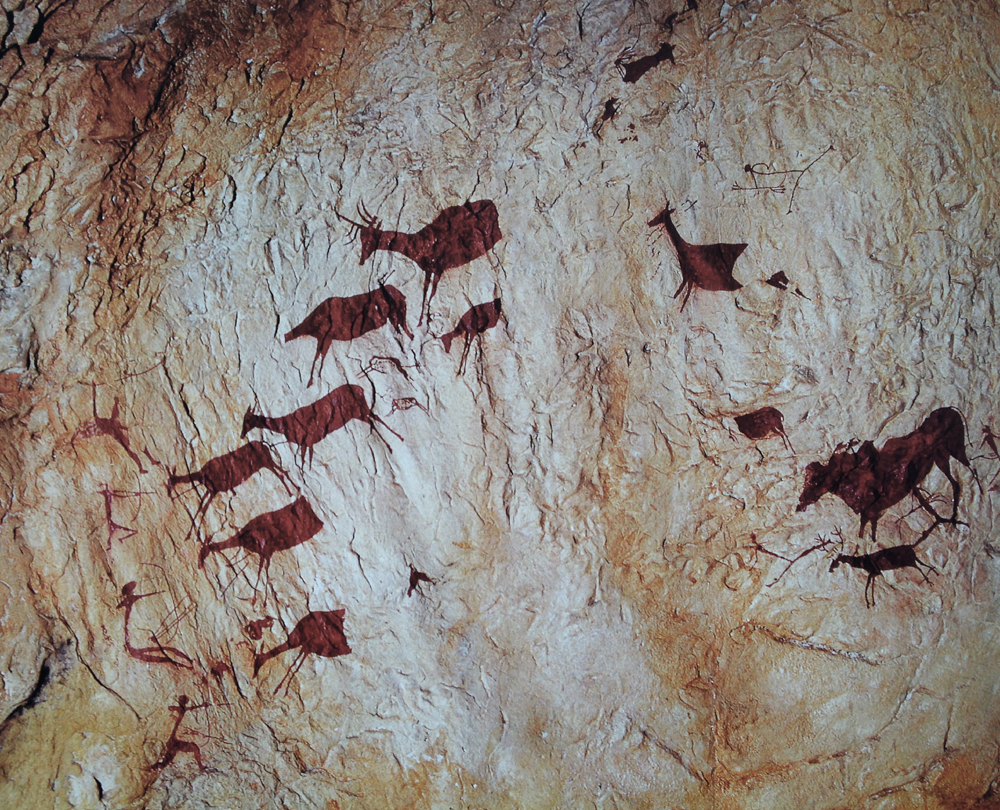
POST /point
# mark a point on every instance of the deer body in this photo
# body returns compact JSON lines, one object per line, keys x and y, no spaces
{"x":267,"y":534}
{"x":633,"y":71}
{"x":457,"y":236}
{"x":871,"y":480}
{"x":472,"y":324}
{"x":885,"y":559}
{"x":709,"y":267}
{"x":349,"y":318}
{"x":320,"y":633}
{"x":312,"y":423}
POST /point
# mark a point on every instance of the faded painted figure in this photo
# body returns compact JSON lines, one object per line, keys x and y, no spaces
{"x":457,"y":236}
{"x":312,"y":423}
{"x":319,"y":633}
{"x":886,"y":559}
{"x":350,"y":318}
{"x":709,"y":267}
{"x":871,"y":480}
{"x":472,"y":324}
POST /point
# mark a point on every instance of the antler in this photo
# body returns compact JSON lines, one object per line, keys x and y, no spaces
{"x":367,"y":218}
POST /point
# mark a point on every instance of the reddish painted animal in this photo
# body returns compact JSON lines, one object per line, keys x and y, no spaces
{"x":763,"y":423}
{"x":457,"y":236}
{"x":350,"y":318}
{"x":870,"y":480}
{"x":885,"y":559}
{"x":320,"y":633}
{"x":267,"y":534}
{"x":312,"y":423}
{"x":472,"y":324}
{"x":226,"y":472}
{"x":633,"y":71}
{"x":416,"y":577}
{"x":709,"y":267}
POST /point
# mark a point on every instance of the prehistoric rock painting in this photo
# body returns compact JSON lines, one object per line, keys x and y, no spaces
{"x":404,"y":404}
{"x":990,"y":440}
{"x":349,"y":318}
{"x":676,"y":17}
{"x":416,"y":577}
{"x":256,"y":628}
{"x":175,"y":745}
{"x":113,"y":527}
{"x":870,"y":480}
{"x":320,"y":633}
{"x":108,"y":426}
{"x":267,"y":534}
{"x":885,"y":559}
{"x":763,"y":423}
{"x":472,"y":324}
{"x":457,"y":236}
{"x":226,"y":472}
{"x":157,"y":653}
{"x":709,"y":267}
{"x":775,"y":184}
{"x":633,"y":71}
{"x":312,"y":423}
{"x":780,"y":281}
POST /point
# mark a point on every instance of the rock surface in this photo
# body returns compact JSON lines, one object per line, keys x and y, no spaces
{"x":567,"y":584}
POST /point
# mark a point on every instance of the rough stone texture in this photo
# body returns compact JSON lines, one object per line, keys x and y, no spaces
{"x":602,"y":627}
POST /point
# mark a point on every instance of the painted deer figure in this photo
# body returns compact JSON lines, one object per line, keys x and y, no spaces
{"x":349,"y":318}
{"x":472,"y":324}
{"x":226,"y":472}
{"x":709,"y":267}
{"x":871,"y":480}
{"x":312,"y":423}
{"x":455,"y":237}
{"x":885,"y":559}
{"x":267,"y":534}
{"x":319,"y":633}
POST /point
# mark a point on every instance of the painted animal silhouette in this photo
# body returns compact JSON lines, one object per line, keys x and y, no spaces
{"x":870,"y":481}
{"x":709,"y":267}
{"x":761,"y":424}
{"x":885,"y":559}
{"x":633,"y":71}
{"x":472,"y":324}
{"x":312,"y":423}
{"x":457,"y":236}
{"x":226,"y":472}
{"x":349,"y":318}
{"x":320,"y":633}
{"x":267,"y":534}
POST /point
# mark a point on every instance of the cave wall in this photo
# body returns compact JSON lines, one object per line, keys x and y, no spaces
{"x":572,"y":579}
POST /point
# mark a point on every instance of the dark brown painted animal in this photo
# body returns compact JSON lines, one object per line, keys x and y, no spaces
{"x":319,"y":633}
{"x":885,"y":559}
{"x":226,"y":472}
{"x":709,"y":267}
{"x":761,"y":424}
{"x":350,"y":318}
{"x":267,"y":534}
{"x":457,"y":236}
{"x":870,"y":480}
{"x":312,"y":423}
{"x":633,"y":71}
{"x":472,"y":324}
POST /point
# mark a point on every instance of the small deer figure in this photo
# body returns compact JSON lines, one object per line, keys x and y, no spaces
{"x":472,"y":324}
{"x":885,"y":559}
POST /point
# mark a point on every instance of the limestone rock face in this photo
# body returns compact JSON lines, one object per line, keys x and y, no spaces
{"x":269,"y":543}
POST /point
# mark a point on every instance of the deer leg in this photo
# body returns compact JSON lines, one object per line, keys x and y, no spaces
{"x":288,"y":672}
{"x":283,"y":477}
{"x":956,"y":489}
{"x":465,"y":353}
{"x":928,"y":566}
{"x":423,"y":301}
